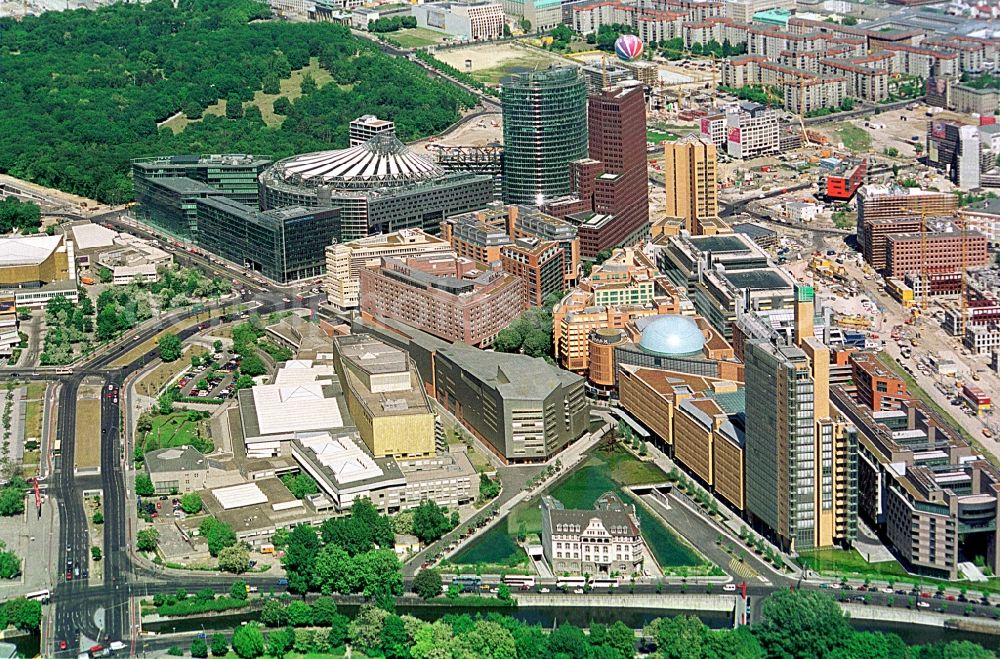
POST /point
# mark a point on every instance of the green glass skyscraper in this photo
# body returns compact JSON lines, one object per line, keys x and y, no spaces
{"x":544,"y":129}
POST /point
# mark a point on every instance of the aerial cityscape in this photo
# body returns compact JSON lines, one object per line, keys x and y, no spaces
{"x":500,"y":329}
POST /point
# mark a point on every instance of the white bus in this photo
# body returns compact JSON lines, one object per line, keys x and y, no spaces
{"x":40,"y":595}
{"x":604,"y":583}
{"x":572,"y":582}
{"x":519,"y":581}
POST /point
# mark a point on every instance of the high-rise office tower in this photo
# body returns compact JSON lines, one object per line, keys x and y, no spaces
{"x":544,"y":129}
{"x":617,"y":125}
{"x":689,"y":173}
{"x":801,"y":464}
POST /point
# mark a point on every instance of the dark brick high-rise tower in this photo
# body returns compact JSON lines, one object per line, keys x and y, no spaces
{"x":613,"y":180}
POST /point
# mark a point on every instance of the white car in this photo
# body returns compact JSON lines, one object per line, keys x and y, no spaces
{"x":729,"y":588}
{"x":578,"y":591}
{"x":923,"y":605}
{"x":544,"y":590}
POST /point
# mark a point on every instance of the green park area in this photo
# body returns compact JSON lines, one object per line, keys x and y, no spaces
{"x":181,"y":428}
{"x":854,"y":138}
{"x":415,"y":37}
{"x":656,"y":136}
{"x":604,"y":471}
{"x":289,"y":88}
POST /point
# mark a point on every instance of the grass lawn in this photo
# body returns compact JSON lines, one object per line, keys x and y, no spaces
{"x":34,"y":410}
{"x":164,"y":373}
{"x":918,"y":391}
{"x":656,"y":136}
{"x":87,"y":440}
{"x":526,"y":60}
{"x":291,"y":88}
{"x":176,"y":429}
{"x":849,"y":563}
{"x":416,"y":37}
{"x":842,"y":562}
{"x":854,"y":138}
{"x":627,"y":470}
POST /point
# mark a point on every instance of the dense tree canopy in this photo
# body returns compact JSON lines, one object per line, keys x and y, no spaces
{"x":17,"y":214}
{"x":84,"y":91}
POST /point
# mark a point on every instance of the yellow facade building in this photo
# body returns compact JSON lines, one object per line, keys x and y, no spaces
{"x":385,"y":398}
{"x":690,"y":179}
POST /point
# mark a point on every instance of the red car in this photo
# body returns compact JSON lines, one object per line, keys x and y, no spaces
{"x":62,"y":645}
{"x":950,"y":598}
{"x":69,"y":575}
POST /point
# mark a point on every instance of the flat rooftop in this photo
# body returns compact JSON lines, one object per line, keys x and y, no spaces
{"x":763,"y":279}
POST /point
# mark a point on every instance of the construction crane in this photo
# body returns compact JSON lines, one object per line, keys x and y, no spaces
{"x":801,"y":82}
{"x":925,"y":283}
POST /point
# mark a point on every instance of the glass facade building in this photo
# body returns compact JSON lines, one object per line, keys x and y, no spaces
{"x":544,"y":129}
{"x":283,"y":245}
{"x":235,"y":175}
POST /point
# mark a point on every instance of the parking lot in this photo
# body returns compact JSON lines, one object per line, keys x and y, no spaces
{"x":213,"y":380}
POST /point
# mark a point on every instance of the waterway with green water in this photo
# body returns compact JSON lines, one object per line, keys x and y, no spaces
{"x":603,"y":471}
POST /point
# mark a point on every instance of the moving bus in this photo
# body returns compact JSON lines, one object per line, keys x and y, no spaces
{"x":519,"y":581}
{"x":468,"y":584}
{"x":40,"y":595}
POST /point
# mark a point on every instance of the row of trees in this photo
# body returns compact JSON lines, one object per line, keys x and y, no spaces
{"x":392,"y":24}
{"x":796,"y":624}
{"x":84,"y":91}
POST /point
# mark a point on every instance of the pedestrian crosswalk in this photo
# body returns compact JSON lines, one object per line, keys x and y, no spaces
{"x":741,"y":569}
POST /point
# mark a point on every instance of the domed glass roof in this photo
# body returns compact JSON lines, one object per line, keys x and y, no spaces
{"x":671,"y":335}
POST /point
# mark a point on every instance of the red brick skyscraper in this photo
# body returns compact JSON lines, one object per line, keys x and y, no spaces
{"x":613,"y":180}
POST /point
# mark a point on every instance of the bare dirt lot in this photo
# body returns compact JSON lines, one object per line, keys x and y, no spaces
{"x":491,"y":62}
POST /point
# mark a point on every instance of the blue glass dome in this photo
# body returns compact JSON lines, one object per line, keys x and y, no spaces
{"x":671,"y":335}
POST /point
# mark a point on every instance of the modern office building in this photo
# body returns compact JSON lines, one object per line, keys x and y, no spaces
{"x":344,"y":261}
{"x":470,"y":20}
{"x":598,"y":542}
{"x":939,"y":252}
{"x":698,"y":420}
{"x":544,"y":129}
{"x":955,"y":149}
{"x":893,"y":202}
{"x":284,"y":245}
{"x":171,"y":203}
{"x":843,"y":178}
{"x":878,"y":388}
{"x":609,"y":190}
{"x":526,"y":222}
{"x":617,"y":137}
{"x":520,"y":407}
{"x":478,"y":236}
{"x":752,"y":131}
{"x":385,"y":397}
{"x":234,"y":175}
{"x":617,"y":291}
{"x":366,"y":127}
{"x":923,"y":488}
{"x":380,"y":186}
{"x":442,"y":295}
{"x":539,"y":266}
{"x":722,"y":294}
{"x":689,"y":173}
{"x":801,"y":461}
{"x":176,"y":470}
